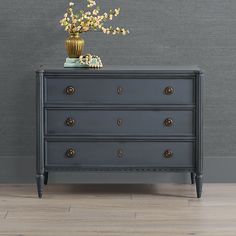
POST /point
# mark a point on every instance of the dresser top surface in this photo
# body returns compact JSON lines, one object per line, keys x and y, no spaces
{"x":125,"y":69}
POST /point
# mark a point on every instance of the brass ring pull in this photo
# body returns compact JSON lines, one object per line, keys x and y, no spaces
{"x":120,"y":90}
{"x":120,"y":153}
{"x":70,"y":90}
{"x":169,"y":90}
{"x":70,"y":122}
{"x":168,"y":154}
{"x":70,"y":153}
{"x":119,"y":122}
{"x":168,"y":122}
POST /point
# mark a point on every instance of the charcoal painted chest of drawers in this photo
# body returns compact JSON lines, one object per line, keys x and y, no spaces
{"x":118,"y":121}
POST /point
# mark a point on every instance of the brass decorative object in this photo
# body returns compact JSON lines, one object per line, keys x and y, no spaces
{"x":119,"y":122}
{"x":169,"y":91}
{"x":120,"y":90}
{"x":168,"y":122}
{"x":74,"y":45}
{"x":70,"y":90}
{"x":120,"y":153}
{"x":70,"y":153}
{"x":70,"y":122}
{"x":168,"y":154}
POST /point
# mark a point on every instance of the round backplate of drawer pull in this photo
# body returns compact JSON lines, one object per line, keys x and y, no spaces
{"x":168,"y":122}
{"x":120,"y":153}
{"x":119,"y":122}
{"x":70,"y":153}
{"x":169,"y":90}
{"x":168,"y":154}
{"x":120,"y":90}
{"x":70,"y":122}
{"x":70,"y":90}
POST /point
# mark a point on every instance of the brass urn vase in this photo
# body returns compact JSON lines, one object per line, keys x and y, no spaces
{"x":74,"y":45}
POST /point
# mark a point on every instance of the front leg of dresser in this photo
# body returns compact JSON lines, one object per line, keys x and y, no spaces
{"x":199,"y":185}
{"x":199,"y":134}
{"x":39,"y":134}
{"x":40,"y":180}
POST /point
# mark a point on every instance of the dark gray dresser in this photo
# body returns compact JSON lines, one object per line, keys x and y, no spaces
{"x":119,"y":122}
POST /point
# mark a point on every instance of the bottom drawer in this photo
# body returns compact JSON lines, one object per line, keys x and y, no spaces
{"x":119,"y":154}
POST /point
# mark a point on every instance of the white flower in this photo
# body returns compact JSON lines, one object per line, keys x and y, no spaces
{"x":117,"y":12}
{"x":71,"y":4}
{"x":95,"y":12}
{"x":91,"y":3}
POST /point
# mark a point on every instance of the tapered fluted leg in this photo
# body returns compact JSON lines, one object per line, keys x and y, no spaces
{"x":40,"y":180}
{"x":193,"y":178}
{"x":45,"y":177}
{"x":199,"y":185}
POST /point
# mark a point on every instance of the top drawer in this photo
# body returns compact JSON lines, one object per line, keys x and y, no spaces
{"x":92,"y":90}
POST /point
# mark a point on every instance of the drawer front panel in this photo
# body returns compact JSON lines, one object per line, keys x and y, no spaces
{"x":120,"y":154}
{"x":119,"y":91}
{"x":107,"y":122}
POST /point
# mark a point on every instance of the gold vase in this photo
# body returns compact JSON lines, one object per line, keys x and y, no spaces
{"x":74,"y":45}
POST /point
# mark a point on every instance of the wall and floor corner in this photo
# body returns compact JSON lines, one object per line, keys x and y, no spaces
{"x":171,"y":32}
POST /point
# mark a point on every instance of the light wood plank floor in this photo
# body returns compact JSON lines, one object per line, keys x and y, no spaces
{"x":115,"y":210}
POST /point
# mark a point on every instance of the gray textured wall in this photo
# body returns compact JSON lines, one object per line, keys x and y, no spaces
{"x":199,"y":32}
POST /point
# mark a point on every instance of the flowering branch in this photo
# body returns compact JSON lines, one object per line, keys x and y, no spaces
{"x":90,"y":19}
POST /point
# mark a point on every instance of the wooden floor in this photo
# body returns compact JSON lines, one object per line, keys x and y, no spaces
{"x":107,"y":210}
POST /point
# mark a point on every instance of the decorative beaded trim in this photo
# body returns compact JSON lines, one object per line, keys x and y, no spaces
{"x":124,"y":169}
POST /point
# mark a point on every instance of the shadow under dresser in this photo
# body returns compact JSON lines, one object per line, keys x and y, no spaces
{"x":120,"y":120}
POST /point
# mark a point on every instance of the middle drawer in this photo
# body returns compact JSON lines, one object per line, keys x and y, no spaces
{"x":119,"y":122}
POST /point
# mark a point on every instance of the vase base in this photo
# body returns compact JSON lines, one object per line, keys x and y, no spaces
{"x":73,"y":63}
